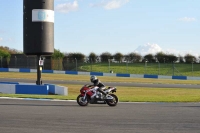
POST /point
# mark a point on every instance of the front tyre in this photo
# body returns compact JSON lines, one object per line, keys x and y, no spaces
{"x":112,"y":102}
{"x":80,"y":100}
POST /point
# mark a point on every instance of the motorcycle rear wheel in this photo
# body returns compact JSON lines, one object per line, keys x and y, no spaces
{"x":112,"y":102}
{"x":81,"y":102}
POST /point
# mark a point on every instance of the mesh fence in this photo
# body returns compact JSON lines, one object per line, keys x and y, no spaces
{"x":69,"y":64}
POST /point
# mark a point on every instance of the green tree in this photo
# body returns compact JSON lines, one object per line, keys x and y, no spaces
{"x":105,"y":56}
{"x":161,"y":57}
{"x":190,"y":58}
{"x":76,"y":56}
{"x":134,"y":57}
{"x":57,"y":54}
{"x":118,"y":56}
{"x":181,"y":59}
{"x":172,"y":58}
{"x":149,"y":58}
{"x":4,"y":54}
{"x":92,"y":57}
{"x":10,"y":51}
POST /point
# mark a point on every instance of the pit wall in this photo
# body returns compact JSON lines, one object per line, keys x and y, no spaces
{"x":26,"y":70}
{"x":29,"y":88}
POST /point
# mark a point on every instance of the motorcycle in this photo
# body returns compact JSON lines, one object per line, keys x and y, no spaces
{"x":93,"y":96}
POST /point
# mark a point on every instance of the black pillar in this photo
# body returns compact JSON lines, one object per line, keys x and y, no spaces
{"x":38,"y":30}
{"x":39,"y":81}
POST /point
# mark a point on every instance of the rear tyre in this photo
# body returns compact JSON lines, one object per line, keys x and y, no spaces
{"x":81,"y":101}
{"x":112,"y":102}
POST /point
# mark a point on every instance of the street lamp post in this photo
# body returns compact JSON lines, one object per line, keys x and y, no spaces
{"x":91,"y":65}
{"x":15,"y":62}
{"x":1,"y":61}
{"x":26,"y":61}
{"x":43,"y":63}
{"x":109,"y":65}
{"x":173,"y":67}
{"x":76,"y":63}
{"x":145,"y":65}
{"x":158,"y":66}
{"x":127,"y":65}
{"x":192,"y":66}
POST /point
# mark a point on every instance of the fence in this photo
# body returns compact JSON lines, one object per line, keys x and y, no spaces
{"x":176,"y":69}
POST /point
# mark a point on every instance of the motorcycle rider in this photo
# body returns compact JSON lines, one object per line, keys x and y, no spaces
{"x":98,"y":83}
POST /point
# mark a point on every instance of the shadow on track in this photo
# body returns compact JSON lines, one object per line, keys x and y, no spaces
{"x":45,"y":105}
{"x":38,"y":105}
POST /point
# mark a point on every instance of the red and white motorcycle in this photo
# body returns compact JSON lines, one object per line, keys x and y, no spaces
{"x":92,"y":96}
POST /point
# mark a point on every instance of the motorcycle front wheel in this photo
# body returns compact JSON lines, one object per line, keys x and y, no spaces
{"x":112,"y":102}
{"x":80,"y":100}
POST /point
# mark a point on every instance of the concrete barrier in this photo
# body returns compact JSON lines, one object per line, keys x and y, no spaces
{"x":136,"y":76}
{"x":60,"y":90}
{"x":96,"y":73}
{"x":4,"y":70}
{"x":122,"y":75}
{"x":109,"y":74}
{"x":13,"y":70}
{"x":30,"y":88}
{"x":151,"y":76}
{"x":26,"y":70}
{"x":83,"y":73}
{"x":57,"y":90}
{"x":164,"y":77}
{"x":180,"y":77}
{"x":47,"y":71}
{"x":59,"y":72}
{"x":71,"y":72}
{"x":7,"y":88}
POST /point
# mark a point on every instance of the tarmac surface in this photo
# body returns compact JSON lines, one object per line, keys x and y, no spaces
{"x":45,"y":116}
{"x":42,"y":116}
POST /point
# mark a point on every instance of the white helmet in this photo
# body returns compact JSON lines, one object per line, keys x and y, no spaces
{"x":93,"y":78}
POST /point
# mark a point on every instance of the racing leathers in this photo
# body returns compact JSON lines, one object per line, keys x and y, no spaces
{"x":99,"y":84}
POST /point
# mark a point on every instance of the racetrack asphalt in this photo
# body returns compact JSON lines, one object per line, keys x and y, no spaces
{"x":43,"y":116}
{"x":106,"y":83}
{"x":36,"y":116}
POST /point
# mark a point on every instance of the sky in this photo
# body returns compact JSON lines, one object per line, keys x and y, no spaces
{"x":125,"y":26}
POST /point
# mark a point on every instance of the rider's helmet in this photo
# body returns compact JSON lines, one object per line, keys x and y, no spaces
{"x":93,"y":78}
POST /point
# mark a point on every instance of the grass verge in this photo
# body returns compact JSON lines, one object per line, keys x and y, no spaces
{"x":129,"y":94}
{"x":86,"y":78}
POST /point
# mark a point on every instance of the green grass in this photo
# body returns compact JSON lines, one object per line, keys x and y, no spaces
{"x":125,"y":94}
{"x":86,"y":78}
{"x":130,"y":94}
{"x":141,"y":68}
{"x":159,"y":95}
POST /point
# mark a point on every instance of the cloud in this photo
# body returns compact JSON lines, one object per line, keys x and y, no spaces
{"x":111,"y":4}
{"x":187,"y":19}
{"x":155,"y":48}
{"x":183,"y":53}
{"x":148,"y":49}
{"x":115,"y":4}
{"x":67,"y":7}
{"x":1,"y":39}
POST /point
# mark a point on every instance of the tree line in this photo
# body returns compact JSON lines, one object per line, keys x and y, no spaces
{"x":133,"y":57}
